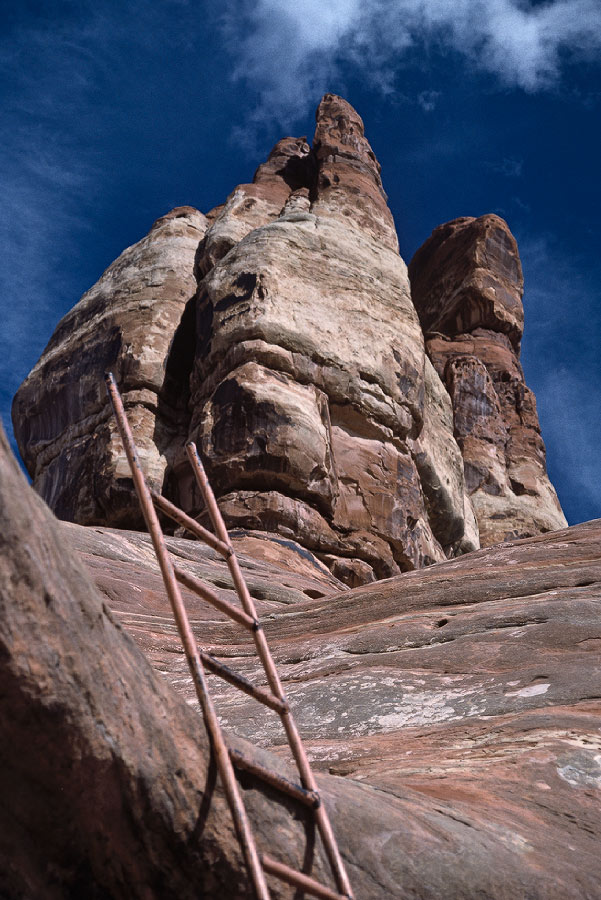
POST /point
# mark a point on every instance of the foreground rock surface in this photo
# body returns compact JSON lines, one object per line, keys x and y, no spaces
{"x":468,"y":693}
{"x":467,"y":285}
{"x":463,"y":701}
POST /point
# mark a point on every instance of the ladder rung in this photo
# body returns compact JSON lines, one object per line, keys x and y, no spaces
{"x":239,"y":681}
{"x":190,"y":524}
{"x":298,"y":879}
{"x":224,"y":606}
{"x":309,"y":798}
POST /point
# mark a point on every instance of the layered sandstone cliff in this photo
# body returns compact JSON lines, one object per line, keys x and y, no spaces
{"x":467,"y":285}
{"x":279,"y":333}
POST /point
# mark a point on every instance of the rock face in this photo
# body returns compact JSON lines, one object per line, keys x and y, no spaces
{"x":467,"y":285}
{"x":308,"y":391}
{"x":279,"y":333}
{"x":454,"y":713}
{"x":298,"y":368}
{"x":466,"y":694}
{"x":134,"y":321}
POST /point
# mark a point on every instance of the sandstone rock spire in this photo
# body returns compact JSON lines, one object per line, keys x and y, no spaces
{"x":467,"y":287}
{"x":309,"y":381}
{"x":348,"y":182}
{"x":132,"y":321}
{"x":279,"y":332}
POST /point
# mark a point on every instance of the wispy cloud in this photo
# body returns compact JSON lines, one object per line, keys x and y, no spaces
{"x":428,"y":100}
{"x":510,"y":166}
{"x":289,"y":50}
{"x":60,"y":73}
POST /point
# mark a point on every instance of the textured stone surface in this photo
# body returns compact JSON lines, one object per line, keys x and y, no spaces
{"x":299,"y":368}
{"x":467,"y":285}
{"x":251,"y":205}
{"x":466,"y":696}
{"x":460,"y":703}
{"x":310,"y":388}
{"x":279,"y":333}
{"x":129,"y":321}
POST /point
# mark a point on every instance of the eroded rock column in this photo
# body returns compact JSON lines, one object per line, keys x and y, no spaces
{"x":467,"y":286}
{"x":308,"y":394}
{"x":131,"y":321}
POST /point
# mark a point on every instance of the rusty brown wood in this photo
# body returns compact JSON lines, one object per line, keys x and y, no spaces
{"x":264,"y":653}
{"x":309,"y":798}
{"x":298,"y":879}
{"x":224,"y":606}
{"x":239,"y":681}
{"x":190,"y":524}
{"x":222,"y":758}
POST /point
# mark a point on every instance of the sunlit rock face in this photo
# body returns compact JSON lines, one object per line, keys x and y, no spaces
{"x":280,"y":334}
{"x":309,"y":390}
{"x":129,"y":321}
{"x":467,"y":287}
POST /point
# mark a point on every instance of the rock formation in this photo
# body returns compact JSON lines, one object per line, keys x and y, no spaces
{"x":129,"y":321}
{"x":466,"y":284}
{"x":299,"y":369}
{"x":279,"y":333}
{"x":454,"y":713}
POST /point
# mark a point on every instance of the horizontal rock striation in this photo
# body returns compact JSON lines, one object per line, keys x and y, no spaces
{"x":280,"y":333}
{"x":309,"y":390}
{"x":467,"y":285}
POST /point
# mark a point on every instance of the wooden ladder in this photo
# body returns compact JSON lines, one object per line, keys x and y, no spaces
{"x":229,"y":760}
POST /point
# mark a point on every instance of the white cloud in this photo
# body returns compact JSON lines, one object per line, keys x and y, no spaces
{"x":291,"y":49}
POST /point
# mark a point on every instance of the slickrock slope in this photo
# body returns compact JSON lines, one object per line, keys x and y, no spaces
{"x":299,"y":368}
{"x":466,"y":695}
{"x":466,"y":284}
{"x":461,"y":703}
{"x":129,"y":321}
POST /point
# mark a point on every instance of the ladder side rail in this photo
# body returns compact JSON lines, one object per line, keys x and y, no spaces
{"x":224,"y":764}
{"x":294,"y":739}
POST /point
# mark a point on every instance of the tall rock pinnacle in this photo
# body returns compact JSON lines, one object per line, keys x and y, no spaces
{"x":348,"y":180}
{"x":279,"y":333}
{"x":467,"y":287}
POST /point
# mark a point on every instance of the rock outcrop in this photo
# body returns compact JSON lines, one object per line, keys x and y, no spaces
{"x":298,"y":368}
{"x":135,"y":321}
{"x":454,"y":714}
{"x":465,"y":694}
{"x":279,"y":333}
{"x":466,"y":284}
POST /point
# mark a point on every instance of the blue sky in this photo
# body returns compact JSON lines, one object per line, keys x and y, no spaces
{"x":115,"y":112}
